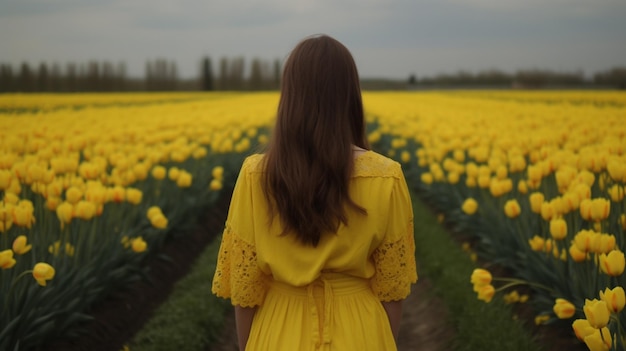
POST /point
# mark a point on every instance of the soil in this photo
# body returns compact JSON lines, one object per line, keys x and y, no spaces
{"x":118,"y":318}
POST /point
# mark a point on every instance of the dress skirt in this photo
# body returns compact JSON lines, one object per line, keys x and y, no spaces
{"x":335,"y":312}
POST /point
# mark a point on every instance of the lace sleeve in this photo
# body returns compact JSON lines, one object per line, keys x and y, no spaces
{"x":237,"y":275}
{"x":395,"y":268}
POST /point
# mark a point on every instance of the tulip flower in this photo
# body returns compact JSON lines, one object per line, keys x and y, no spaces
{"x":576,"y":254}
{"x":582,"y":328}
{"x":600,"y":209}
{"x":173,"y":173}
{"x":582,"y":240}
{"x":218,"y":172}
{"x":426,"y":178}
{"x":537,"y":243}
{"x":616,"y":192}
{"x":23,"y":216}
{"x":481,"y":277}
{"x":602,"y":243}
{"x":547,"y":211}
{"x":85,"y":210}
{"x":42,"y":272}
{"x":597,"y":313}
{"x":613,"y":263}
{"x":215,"y":185}
{"x":153,"y":211}
{"x":73,"y":195}
{"x":65,"y":212}
{"x":486,"y":292}
{"x":585,"y":209}
{"x":134,"y":196}
{"x":138,"y":245}
{"x":512,"y":208}
{"x":558,"y":228}
{"x":470,"y":206}
{"x":615,"y":298}
{"x":184,"y":179}
{"x":20,"y":245}
{"x":564,"y":309}
{"x":6,"y":259}
{"x":158,"y":221}
{"x":158,"y":172}
{"x":5,"y":179}
{"x":599,"y":340}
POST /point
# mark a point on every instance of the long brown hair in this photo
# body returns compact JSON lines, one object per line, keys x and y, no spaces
{"x":309,"y":159}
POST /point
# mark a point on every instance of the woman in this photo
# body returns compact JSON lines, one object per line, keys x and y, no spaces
{"x":318,"y":249}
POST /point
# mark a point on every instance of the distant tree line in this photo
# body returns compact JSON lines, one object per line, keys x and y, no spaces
{"x":231,"y":74}
{"x":160,"y":75}
{"x":531,"y":79}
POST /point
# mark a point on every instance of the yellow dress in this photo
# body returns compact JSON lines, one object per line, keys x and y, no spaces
{"x":326,"y":297}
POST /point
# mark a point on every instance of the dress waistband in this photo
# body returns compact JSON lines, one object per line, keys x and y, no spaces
{"x":326,"y":286}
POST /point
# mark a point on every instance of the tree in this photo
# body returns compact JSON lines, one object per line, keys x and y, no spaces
{"x":207,"y":74}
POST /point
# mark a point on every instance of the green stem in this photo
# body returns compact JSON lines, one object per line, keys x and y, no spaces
{"x":513,"y":282}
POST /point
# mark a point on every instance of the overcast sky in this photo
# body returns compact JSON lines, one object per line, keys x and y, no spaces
{"x":388,"y":38}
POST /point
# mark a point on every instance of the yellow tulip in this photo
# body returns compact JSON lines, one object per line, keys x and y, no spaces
{"x":173,"y":173}
{"x":73,"y":195}
{"x":512,"y":208}
{"x":563,"y":308}
{"x":576,"y":254}
{"x":5,"y":179}
{"x":582,"y":240}
{"x":470,"y":206}
{"x":582,"y":328}
{"x":615,"y":298}
{"x":481,"y":277}
{"x":585,"y":209}
{"x":85,"y":210}
{"x":23,"y":216}
{"x":215,"y":185}
{"x":547,"y":211}
{"x":52,"y":203}
{"x":602,"y":243}
{"x":558,"y":228}
{"x":133,"y":196}
{"x":20,"y":245}
{"x":42,"y":272}
{"x":6,"y":259}
{"x":65,"y":212}
{"x":158,"y":172}
{"x":596,"y":312}
{"x":541,"y":319}
{"x":486,"y":292}
{"x":522,"y":187}
{"x":184,"y":179}
{"x":116,"y":194}
{"x":616,"y":192}
{"x":158,"y":221}
{"x":218,"y":172}
{"x":138,"y":245}
{"x":537,"y":243}
{"x":622,"y":221}
{"x":599,"y":340}
{"x":600,"y":209}
{"x":153,"y":211}
{"x":426,"y":178}
{"x":613,"y":263}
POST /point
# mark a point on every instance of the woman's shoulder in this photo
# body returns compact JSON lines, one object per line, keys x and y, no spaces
{"x":253,"y":163}
{"x":373,"y":164}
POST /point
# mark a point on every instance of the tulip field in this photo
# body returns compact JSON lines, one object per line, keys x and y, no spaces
{"x":93,"y":184}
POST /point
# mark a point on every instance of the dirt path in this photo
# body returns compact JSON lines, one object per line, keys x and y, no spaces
{"x":423,"y":324}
